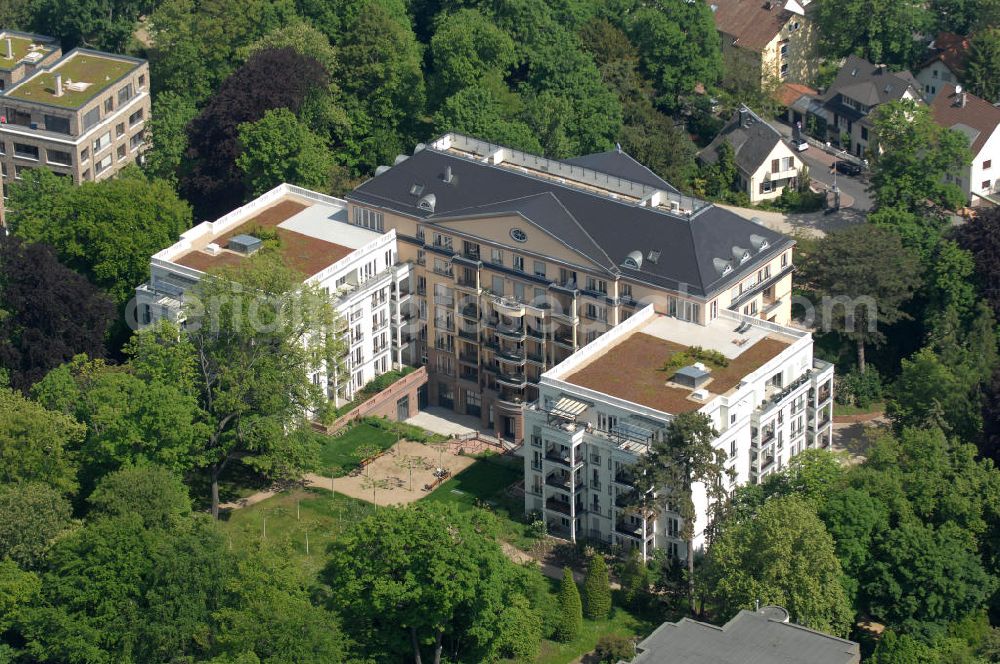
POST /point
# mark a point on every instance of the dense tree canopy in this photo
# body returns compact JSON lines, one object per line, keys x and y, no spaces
{"x":984,"y":61}
{"x":280,"y":148}
{"x":879,"y":31}
{"x":50,"y":313}
{"x":36,"y":444}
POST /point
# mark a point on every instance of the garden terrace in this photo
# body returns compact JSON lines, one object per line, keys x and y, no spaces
{"x":633,"y":368}
{"x":98,"y":70}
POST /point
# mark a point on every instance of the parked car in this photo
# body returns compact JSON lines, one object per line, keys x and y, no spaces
{"x":847,"y":168}
{"x":800,"y":144}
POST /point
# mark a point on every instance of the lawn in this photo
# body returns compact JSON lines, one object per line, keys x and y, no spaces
{"x":621,"y":622}
{"x":485,"y":484}
{"x":341,"y":451}
{"x":845,"y":409}
{"x":285,"y":520}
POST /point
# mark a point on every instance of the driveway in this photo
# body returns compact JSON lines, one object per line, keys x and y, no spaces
{"x":820,"y":165}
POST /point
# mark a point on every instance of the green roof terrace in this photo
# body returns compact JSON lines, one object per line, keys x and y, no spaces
{"x":23,"y":46}
{"x":85,"y":74}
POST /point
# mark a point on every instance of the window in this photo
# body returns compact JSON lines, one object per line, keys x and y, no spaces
{"x":57,"y":124}
{"x":713,"y":310}
{"x":18,"y":170}
{"x":987,"y":164}
{"x":103,"y":164}
{"x":125,"y":94}
{"x":986,"y":184}
{"x":121,"y":151}
{"x":789,"y":163}
{"x":102,"y":142}
{"x":86,"y":174}
{"x":368,"y":218}
{"x":18,"y":117}
{"x":864,"y":133}
{"x":519,"y":263}
{"x":775,"y":165}
{"x":732,"y":449}
{"x":442,"y":241}
{"x":784,"y":259}
{"x":595,"y":312}
{"x":59,"y":157}
{"x":135,"y":141}
{"x":597,"y":285}
{"x":25,"y":151}
{"x":135,"y":118}
{"x":142,"y":81}
{"x":3,"y":168}
{"x":784,"y":50}
{"x":766,"y":187}
{"x":784,"y":69}
{"x":109,"y":105}
{"x":751,"y":309}
{"x":497,"y":285}
{"x":119,"y":130}
{"x":496,"y":256}
{"x":539,"y":269}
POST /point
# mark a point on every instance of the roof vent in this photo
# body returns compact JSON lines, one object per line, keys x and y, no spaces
{"x":691,"y":376}
{"x":700,"y":395}
{"x":400,"y":158}
{"x":381,"y":169}
{"x":633,"y":260}
{"x":653,"y":256}
{"x":427,"y":203}
{"x":416,"y":190}
{"x":448,"y":175}
{"x":244,"y":244}
{"x":212,"y":249}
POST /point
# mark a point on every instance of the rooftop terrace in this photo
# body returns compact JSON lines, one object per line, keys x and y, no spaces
{"x":312,"y":233}
{"x":22,"y":46}
{"x":633,"y":368}
{"x":85,"y":74}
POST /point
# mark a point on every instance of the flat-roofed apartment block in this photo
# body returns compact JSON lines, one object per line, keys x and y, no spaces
{"x":599,"y":411}
{"x":82,"y":116}
{"x":356,"y":266}
{"x":522,"y":260}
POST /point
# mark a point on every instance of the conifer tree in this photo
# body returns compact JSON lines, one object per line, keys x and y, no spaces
{"x":570,"y":608}
{"x":596,"y":589}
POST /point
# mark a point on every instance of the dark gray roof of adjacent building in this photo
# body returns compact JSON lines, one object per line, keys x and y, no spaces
{"x":680,"y":251}
{"x":761,"y":637}
{"x":752,"y":139}
{"x":868,"y":84}
{"x":621,"y":164}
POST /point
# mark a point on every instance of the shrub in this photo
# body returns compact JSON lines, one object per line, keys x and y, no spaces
{"x":597,"y":589}
{"x":613,"y":648}
{"x":859,"y":389}
{"x":570,"y":608}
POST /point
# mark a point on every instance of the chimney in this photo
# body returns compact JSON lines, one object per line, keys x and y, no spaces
{"x":448,"y":175}
{"x":10,"y":51}
{"x":59,"y":89}
{"x":963,"y":99}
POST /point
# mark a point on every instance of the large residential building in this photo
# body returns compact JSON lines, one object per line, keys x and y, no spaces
{"x":774,"y":39}
{"x":82,"y":115}
{"x":358,"y":267}
{"x":764,"y":636}
{"x":860,"y":87}
{"x":945,"y":64}
{"x":520,"y":261}
{"x":765,"y":164}
{"x":599,"y":412}
{"x":979,"y":120}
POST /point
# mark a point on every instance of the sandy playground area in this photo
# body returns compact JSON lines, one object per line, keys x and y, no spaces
{"x":390,"y":473}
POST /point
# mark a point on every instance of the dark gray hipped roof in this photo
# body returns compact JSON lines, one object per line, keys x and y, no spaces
{"x":868,"y":84}
{"x":621,"y":164}
{"x":602,"y":229}
{"x":752,"y":139}
{"x":749,"y":638}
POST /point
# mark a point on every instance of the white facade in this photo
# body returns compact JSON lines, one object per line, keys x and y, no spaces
{"x":369,"y":289}
{"x":779,"y":169}
{"x":580,"y":442}
{"x":933,"y":77}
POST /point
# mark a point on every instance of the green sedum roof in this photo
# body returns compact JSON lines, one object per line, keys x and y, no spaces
{"x":98,"y":70}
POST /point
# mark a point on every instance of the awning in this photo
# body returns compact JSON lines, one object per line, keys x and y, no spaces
{"x":568,"y":408}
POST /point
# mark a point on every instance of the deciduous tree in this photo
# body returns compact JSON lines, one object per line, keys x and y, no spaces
{"x":784,"y":556}
{"x":881,"y":32}
{"x":34,"y":514}
{"x":279,"y":148}
{"x":36,"y":444}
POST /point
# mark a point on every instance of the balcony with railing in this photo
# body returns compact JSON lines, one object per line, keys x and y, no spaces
{"x":563,"y":507}
{"x":625,"y":478}
{"x":511,"y":379}
{"x":564,"y":482}
{"x":471,"y":310}
{"x":444,"y":324}
{"x":630,"y":529}
{"x":563,"y":456}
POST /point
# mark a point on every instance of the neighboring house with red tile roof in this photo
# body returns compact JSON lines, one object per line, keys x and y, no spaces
{"x":945,"y":64}
{"x":777,"y":37}
{"x":980,"y":121}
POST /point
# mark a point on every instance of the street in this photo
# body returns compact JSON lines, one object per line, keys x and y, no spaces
{"x":820,"y":164}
